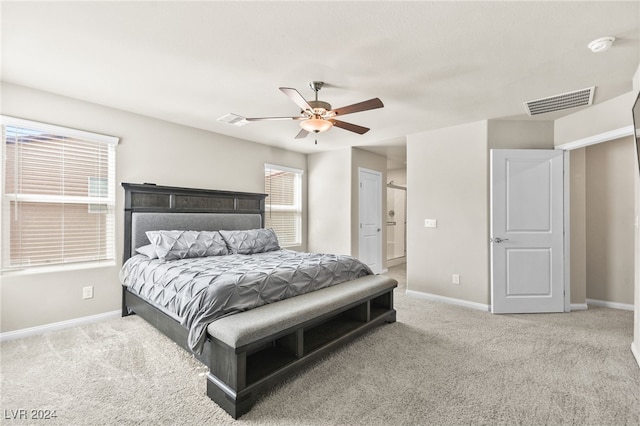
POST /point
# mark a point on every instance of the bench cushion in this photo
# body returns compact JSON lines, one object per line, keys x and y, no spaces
{"x":251,"y":326}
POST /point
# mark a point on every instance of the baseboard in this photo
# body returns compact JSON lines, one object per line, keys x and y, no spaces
{"x":579,"y":307}
{"x":607,"y":304}
{"x":396,"y":261}
{"x":41,"y":329}
{"x":636,"y":352}
{"x":450,"y":300}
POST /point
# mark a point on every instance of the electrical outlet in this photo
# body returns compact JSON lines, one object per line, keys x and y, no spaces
{"x":87,"y":292}
{"x":455,"y":279}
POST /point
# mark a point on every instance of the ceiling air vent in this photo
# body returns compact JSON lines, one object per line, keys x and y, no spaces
{"x":233,"y":119}
{"x":568,"y":100}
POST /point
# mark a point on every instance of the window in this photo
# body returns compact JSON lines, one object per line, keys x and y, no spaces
{"x":283,"y":206}
{"x":58,"y":196}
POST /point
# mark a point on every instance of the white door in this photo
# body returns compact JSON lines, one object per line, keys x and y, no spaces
{"x":527,"y":231}
{"x":370,"y":206}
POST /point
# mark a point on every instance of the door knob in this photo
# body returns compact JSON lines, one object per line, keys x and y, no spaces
{"x":499,"y":240}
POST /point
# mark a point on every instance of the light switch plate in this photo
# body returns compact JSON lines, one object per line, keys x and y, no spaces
{"x":430,"y":223}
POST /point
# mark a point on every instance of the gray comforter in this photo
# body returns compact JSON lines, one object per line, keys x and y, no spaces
{"x":198,"y":291}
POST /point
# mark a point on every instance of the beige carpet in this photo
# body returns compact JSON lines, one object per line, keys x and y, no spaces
{"x":439,"y":364}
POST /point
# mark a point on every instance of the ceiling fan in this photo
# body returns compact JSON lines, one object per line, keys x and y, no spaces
{"x":317,"y":116}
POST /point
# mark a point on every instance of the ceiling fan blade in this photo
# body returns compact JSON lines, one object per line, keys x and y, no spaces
{"x":350,"y":127}
{"x":360,"y":106}
{"x":273,"y":118}
{"x":296,"y":97}
{"x":301,"y":134}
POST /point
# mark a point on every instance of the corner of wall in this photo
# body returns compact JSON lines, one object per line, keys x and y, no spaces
{"x":635,"y":346}
{"x":447,"y":170}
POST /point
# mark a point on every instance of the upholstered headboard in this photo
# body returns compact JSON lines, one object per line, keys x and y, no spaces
{"x":151,"y":208}
{"x":143,"y":222}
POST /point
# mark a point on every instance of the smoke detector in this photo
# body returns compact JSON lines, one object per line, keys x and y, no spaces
{"x":601,"y":44}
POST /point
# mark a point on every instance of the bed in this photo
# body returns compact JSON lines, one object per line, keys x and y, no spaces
{"x":255,"y":339}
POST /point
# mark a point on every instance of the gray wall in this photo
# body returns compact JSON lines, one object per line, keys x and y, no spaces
{"x":611,"y":115}
{"x":448,"y":177}
{"x":333,"y":201}
{"x":150,"y":150}
{"x":610,"y":220}
{"x":602,"y":203}
{"x":378,"y":163}
{"x":398,"y":176}
{"x":517,"y":134}
{"x":578,"y":226}
{"x":330,"y":201}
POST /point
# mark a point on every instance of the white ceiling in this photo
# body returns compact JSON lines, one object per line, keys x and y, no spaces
{"x":433,"y":64}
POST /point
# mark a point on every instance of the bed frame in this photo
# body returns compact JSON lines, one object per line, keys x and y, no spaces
{"x":239,"y":371}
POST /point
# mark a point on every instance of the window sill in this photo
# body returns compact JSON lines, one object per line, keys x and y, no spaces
{"x":57,"y":268}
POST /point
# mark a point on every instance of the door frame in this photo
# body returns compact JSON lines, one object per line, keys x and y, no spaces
{"x":567,"y":147}
{"x":379,"y":213}
{"x":395,"y":261}
{"x":567,"y":230}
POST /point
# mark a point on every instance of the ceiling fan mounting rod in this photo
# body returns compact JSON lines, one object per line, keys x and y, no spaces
{"x":319,"y":108}
{"x":316,"y":86}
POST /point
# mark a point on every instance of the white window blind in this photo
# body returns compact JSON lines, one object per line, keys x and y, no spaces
{"x":283,"y":206}
{"x":58,"y":196}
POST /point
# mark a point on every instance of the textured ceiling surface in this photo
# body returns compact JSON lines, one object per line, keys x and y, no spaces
{"x":433,"y":64}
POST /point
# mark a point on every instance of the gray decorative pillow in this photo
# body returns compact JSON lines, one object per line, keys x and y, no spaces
{"x":171,"y":245}
{"x":251,"y":241}
{"x":149,"y":250}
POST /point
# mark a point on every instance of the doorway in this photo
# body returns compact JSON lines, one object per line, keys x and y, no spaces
{"x":370,"y":212}
{"x":396,"y":224}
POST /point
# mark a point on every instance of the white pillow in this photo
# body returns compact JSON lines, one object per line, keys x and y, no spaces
{"x":149,"y":250}
{"x":171,"y":245}
{"x":251,"y":241}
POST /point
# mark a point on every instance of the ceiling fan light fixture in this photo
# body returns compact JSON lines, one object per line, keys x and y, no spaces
{"x":316,"y":125}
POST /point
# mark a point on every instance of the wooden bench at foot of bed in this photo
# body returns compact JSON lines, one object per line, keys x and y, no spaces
{"x":253,"y":351}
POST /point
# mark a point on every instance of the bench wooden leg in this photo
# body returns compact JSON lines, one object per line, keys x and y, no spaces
{"x":391,"y":317}
{"x":227,"y":399}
